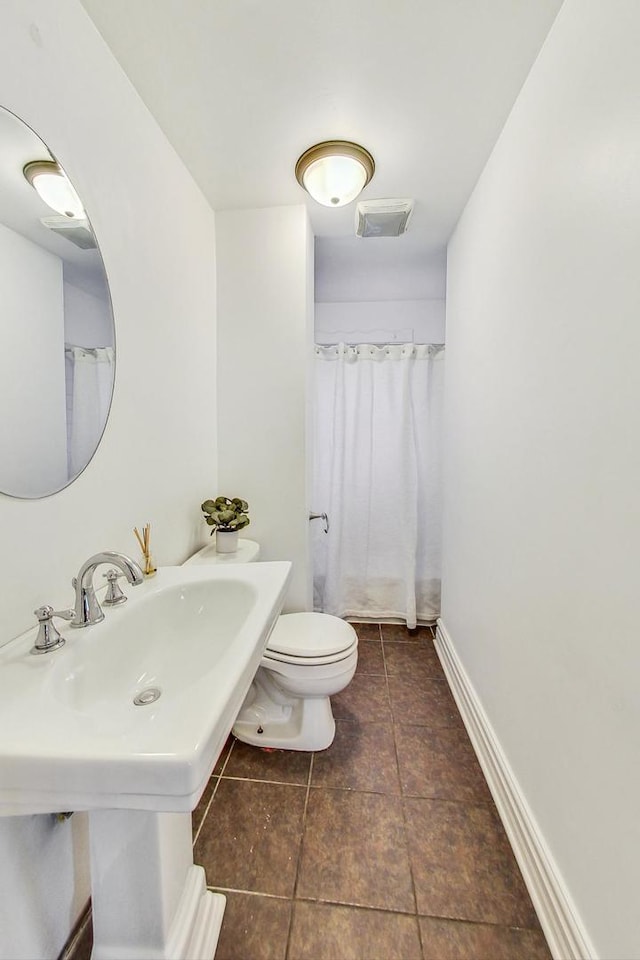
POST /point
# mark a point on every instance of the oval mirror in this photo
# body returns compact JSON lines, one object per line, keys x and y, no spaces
{"x":57,"y":356}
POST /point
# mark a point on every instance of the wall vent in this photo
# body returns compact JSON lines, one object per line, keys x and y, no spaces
{"x":382,"y":218}
{"x":77,"y":231}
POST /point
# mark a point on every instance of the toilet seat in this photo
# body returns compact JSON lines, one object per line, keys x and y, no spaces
{"x":270,"y":657}
{"x":310,"y":638}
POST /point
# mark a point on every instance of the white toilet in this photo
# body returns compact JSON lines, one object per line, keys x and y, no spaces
{"x":309,"y":657}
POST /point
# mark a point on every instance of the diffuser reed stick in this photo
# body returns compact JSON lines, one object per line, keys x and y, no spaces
{"x":139,"y":539}
{"x":145,"y":546}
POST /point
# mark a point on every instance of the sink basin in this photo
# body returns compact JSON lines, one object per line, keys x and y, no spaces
{"x":126,"y":720}
{"x":71,"y":735}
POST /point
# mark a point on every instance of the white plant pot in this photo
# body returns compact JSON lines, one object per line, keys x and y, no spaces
{"x":226,"y":541}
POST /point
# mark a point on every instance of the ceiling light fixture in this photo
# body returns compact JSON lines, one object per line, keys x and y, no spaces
{"x":53,"y":186}
{"x":335,"y":172}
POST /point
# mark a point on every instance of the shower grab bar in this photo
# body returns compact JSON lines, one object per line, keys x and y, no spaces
{"x":321,"y":516}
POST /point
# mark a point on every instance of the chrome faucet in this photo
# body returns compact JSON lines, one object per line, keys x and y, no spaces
{"x":87,"y":609}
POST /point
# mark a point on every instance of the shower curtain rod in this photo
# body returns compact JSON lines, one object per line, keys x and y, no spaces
{"x":377,"y":338}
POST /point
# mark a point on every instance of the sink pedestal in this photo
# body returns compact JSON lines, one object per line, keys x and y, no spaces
{"x":150,"y":901}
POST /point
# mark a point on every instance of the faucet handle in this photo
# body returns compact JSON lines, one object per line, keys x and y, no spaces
{"x":45,"y":613}
{"x":114,"y":593}
{"x":48,"y":635}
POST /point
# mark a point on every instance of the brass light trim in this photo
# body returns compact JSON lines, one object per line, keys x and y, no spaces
{"x":63,"y":198}
{"x":335,"y":148}
{"x":335,"y":172}
{"x":34,"y":168}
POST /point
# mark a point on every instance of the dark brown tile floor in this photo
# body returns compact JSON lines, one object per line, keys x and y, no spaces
{"x":386,"y":846}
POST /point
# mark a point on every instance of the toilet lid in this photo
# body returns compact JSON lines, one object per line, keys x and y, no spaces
{"x":305,"y":635}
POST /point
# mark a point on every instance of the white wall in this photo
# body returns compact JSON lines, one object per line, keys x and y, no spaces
{"x":156,"y":462}
{"x":87,"y":318}
{"x":379,"y":285}
{"x":425,"y":318}
{"x":33,"y":430}
{"x":542,"y":525}
{"x":352,"y":269}
{"x":265,"y":337}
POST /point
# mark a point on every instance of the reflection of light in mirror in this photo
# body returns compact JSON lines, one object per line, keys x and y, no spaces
{"x":53,"y":186}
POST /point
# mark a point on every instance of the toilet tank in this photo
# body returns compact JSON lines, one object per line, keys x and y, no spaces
{"x":248,"y":551}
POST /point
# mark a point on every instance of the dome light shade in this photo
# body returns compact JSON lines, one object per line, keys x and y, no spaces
{"x":335,"y":172}
{"x":53,"y":186}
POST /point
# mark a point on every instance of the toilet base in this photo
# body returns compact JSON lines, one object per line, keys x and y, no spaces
{"x":306,"y":724}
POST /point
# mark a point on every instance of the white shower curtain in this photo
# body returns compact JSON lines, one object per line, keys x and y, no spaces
{"x":91,"y":381}
{"x":378,"y":417}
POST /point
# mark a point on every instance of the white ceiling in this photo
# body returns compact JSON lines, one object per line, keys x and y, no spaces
{"x":242,"y":87}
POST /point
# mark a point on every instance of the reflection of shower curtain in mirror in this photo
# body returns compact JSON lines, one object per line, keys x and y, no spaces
{"x":378,"y":422}
{"x":89,"y":383}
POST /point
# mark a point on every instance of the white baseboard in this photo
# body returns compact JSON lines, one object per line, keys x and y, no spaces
{"x":560,"y":922}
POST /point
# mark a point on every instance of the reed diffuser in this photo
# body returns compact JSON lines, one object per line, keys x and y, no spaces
{"x":148,"y":569}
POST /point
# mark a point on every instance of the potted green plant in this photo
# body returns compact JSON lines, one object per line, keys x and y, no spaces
{"x":226,"y":517}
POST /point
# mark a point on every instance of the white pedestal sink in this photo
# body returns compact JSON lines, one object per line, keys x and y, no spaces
{"x":149,"y":898}
{"x":73,"y":739}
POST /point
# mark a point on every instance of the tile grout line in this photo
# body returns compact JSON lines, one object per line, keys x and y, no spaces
{"x":406,"y":834}
{"x":280,"y":783}
{"x":386,"y":685}
{"x":384,"y":659}
{"x":349,"y":905}
{"x":215,"y":790}
{"x":405,"y":830}
{"x":249,"y":893}
{"x":300,"y":848}
{"x":224,"y":765}
{"x":337,"y":787}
